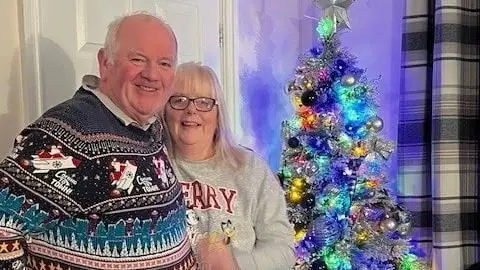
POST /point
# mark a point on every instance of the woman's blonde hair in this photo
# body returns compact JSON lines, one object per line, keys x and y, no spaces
{"x":192,"y":76}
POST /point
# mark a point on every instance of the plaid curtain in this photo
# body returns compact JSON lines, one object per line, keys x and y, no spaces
{"x":438,"y":144}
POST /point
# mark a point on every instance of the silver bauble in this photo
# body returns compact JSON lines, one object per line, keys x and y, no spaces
{"x":388,"y":224}
{"x":310,"y":168}
{"x":404,"y":229}
{"x":348,"y":80}
{"x":375,"y":124}
{"x":291,"y":87}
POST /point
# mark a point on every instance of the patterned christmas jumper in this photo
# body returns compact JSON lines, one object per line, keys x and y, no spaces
{"x":83,"y":190}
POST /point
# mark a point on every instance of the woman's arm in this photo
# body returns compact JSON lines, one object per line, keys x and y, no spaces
{"x":274,"y":234}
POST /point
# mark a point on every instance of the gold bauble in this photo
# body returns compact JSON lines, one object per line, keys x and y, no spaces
{"x":298,"y":183}
{"x":360,"y":150}
{"x":295,"y":196}
{"x":300,"y":234}
{"x":361,"y":236}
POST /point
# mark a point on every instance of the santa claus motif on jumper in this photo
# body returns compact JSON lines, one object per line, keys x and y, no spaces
{"x":123,"y":175}
{"x":53,"y":158}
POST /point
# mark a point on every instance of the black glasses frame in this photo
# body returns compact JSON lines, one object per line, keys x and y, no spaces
{"x":194,"y":101}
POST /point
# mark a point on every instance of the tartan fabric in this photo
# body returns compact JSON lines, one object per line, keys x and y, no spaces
{"x":438,"y":144}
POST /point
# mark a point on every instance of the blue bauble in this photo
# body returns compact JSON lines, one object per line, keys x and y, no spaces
{"x":325,"y":231}
{"x":318,"y":144}
{"x":316,"y":51}
{"x":340,"y":65}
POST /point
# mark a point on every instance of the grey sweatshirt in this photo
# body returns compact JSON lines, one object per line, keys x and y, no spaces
{"x":246,"y":207}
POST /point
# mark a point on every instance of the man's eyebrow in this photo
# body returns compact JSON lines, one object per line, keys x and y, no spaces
{"x":132,"y":52}
{"x":138,"y":53}
{"x":165,"y":58}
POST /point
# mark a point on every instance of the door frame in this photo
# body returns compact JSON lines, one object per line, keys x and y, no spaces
{"x":229,"y":34}
{"x":32,"y":88}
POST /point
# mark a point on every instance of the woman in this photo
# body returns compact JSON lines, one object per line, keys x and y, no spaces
{"x":235,"y":199}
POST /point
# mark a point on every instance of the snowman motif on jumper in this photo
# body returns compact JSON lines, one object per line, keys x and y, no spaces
{"x":52,"y":158}
{"x":123,"y":175}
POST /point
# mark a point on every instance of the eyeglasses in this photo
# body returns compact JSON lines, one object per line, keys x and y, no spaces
{"x":202,"y":104}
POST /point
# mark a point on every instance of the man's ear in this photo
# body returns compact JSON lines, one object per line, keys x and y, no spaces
{"x":103,"y":63}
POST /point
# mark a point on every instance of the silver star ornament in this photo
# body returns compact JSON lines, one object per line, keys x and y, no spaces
{"x":337,"y":10}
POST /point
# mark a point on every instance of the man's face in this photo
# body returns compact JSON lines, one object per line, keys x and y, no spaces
{"x":138,"y":78}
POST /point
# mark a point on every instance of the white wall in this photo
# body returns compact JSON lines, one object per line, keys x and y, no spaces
{"x":11,"y":110}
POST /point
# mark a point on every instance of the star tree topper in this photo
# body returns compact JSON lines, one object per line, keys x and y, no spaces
{"x":337,"y":10}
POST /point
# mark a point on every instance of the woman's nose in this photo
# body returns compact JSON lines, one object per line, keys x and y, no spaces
{"x":191,"y":107}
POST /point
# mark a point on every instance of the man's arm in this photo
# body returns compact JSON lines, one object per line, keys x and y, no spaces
{"x":19,"y":214}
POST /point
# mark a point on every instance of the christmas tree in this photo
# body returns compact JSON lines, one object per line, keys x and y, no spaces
{"x":334,"y":163}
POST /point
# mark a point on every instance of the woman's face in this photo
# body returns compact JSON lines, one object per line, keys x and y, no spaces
{"x":191,"y":117}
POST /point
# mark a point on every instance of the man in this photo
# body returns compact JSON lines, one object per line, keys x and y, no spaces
{"x":84,"y":187}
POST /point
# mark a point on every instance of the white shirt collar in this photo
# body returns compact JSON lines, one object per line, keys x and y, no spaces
{"x":90,"y":83}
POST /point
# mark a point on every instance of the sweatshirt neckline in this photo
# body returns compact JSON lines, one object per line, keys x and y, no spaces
{"x":198,"y":162}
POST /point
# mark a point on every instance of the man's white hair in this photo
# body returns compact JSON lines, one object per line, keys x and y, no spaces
{"x":111,"y":42}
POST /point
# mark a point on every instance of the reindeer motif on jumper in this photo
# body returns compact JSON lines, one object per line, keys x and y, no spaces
{"x":123,"y":174}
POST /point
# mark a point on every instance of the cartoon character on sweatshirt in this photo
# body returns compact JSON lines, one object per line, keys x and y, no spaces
{"x":192,"y":226}
{"x":228,"y":230}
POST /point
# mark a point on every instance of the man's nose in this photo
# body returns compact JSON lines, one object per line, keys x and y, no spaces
{"x":151,"y":72}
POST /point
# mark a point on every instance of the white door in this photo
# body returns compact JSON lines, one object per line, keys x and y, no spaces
{"x":62,"y":38}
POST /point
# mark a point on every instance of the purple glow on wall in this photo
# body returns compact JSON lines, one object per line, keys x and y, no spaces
{"x":269,"y":39}
{"x":272,"y":36}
